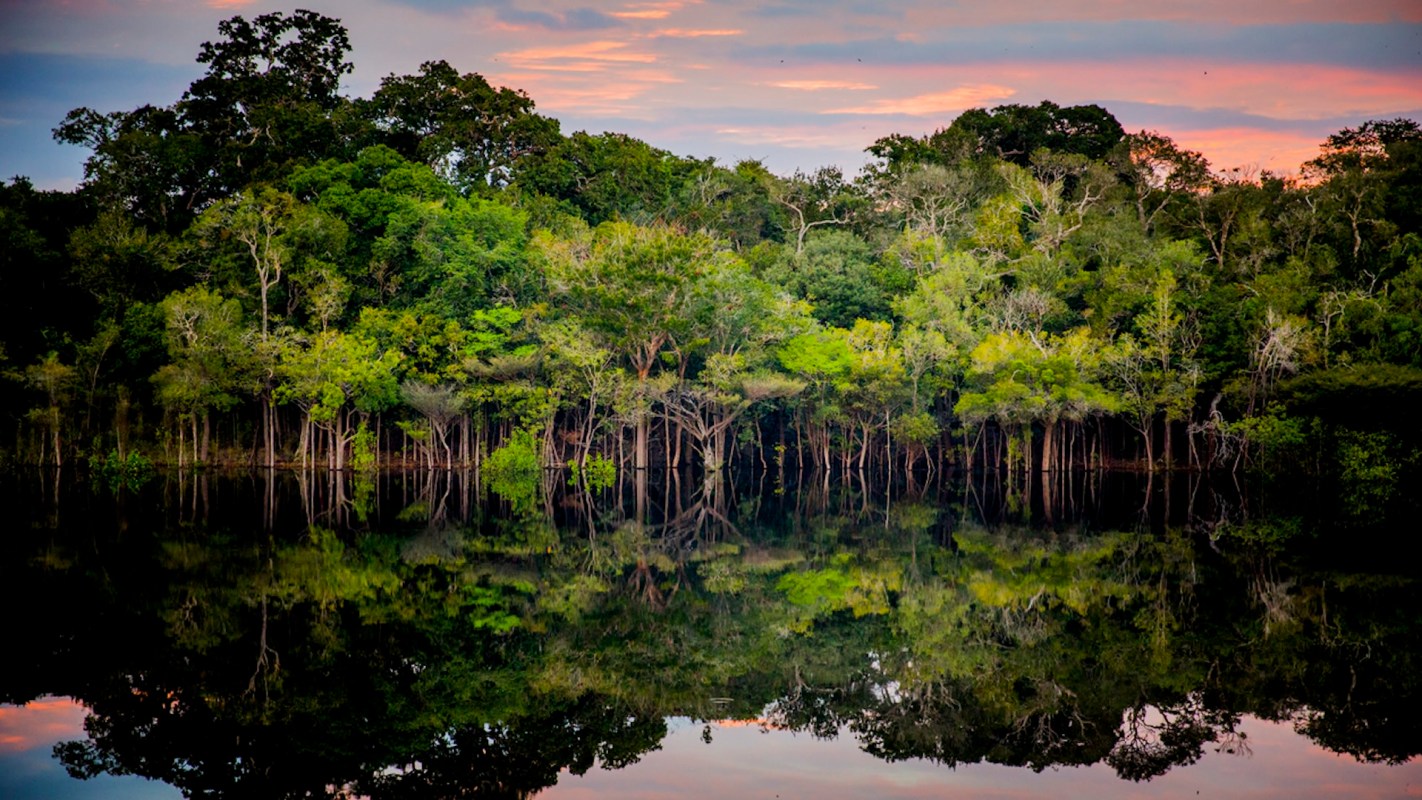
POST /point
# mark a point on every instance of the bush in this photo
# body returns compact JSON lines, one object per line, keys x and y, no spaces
{"x":513,"y":470}
{"x":128,"y":472}
{"x":599,"y":473}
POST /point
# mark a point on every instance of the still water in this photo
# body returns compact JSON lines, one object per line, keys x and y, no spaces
{"x":420,"y":635}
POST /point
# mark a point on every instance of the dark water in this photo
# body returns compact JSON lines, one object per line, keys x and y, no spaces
{"x":418,"y":636}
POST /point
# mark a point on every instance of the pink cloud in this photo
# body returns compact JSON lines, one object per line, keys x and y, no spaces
{"x":960,"y":99}
{"x":582,"y":57}
{"x":1221,"y":12}
{"x":651,"y":10}
{"x":821,"y":86}
{"x":1247,"y":147}
{"x":695,"y":33}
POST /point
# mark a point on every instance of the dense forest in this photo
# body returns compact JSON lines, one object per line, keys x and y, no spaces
{"x":268,"y":272}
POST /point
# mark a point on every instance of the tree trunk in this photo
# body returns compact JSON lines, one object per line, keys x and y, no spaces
{"x":639,"y":447}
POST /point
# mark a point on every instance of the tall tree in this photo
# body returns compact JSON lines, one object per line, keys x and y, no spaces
{"x":471,"y":133}
{"x":1015,"y":132}
{"x":267,"y":99}
{"x":629,"y":285}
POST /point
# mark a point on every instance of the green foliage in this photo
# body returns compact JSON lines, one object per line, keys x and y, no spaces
{"x":599,"y":474}
{"x":836,"y":273}
{"x":363,"y":453}
{"x":514,"y":470}
{"x":843,"y":585}
{"x":129,"y":472}
{"x":1369,"y":472}
{"x":1277,"y":440}
{"x":920,"y":428}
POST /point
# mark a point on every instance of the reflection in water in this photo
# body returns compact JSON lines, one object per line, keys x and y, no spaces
{"x":415,"y":635}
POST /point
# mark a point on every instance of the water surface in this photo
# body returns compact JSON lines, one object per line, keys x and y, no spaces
{"x":418,"y":635}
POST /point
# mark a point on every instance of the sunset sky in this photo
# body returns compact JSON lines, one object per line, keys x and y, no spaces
{"x":794,"y":83}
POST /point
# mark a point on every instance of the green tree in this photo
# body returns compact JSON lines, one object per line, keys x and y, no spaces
{"x":268,"y":97}
{"x":836,"y":272}
{"x":1157,"y":374}
{"x":1015,"y":132}
{"x":211,"y":363}
{"x":1158,"y":173}
{"x":1018,"y":378}
{"x":472,"y":134}
{"x":335,"y":377}
{"x":55,"y":380}
{"x":608,"y":176}
{"x":629,"y":286}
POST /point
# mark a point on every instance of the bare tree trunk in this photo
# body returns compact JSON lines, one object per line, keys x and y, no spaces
{"x":1166,"y":451}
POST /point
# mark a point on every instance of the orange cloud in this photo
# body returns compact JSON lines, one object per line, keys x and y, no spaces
{"x":838,"y":137}
{"x":1295,"y":92}
{"x":820,"y":86}
{"x":650,"y":10}
{"x":693,"y":33}
{"x":583,"y":57}
{"x":615,"y":93}
{"x":1278,"y":91}
{"x":1247,"y":147}
{"x":960,"y":99}
{"x":39,"y":723}
{"x":1222,"y":12}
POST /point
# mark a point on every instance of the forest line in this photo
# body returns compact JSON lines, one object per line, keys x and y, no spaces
{"x":269,"y":272}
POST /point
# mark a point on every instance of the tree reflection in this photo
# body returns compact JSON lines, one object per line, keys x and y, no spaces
{"x":258,"y":638}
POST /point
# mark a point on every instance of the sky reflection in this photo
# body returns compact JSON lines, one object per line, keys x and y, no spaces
{"x":28,"y":770}
{"x":747,"y":761}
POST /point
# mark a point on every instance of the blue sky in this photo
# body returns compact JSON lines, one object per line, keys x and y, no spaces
{"x":795,"y":83}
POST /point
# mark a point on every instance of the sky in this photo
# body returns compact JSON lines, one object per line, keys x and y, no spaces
{"x":797,"y":84}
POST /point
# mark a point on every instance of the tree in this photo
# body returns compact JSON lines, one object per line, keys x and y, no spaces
{"x":1159,"y":172}
{"x":1357,"y":168}
{"x":731,"y":204}
{"x":607,"y":177}
{"x":267,"y":101}
{"x":737,"y":321}
{"x":1157,"y":374}
{"x":837,"y":274}
{"x":814,"y":200}
{"x":1231,"y":218}
{"x":267,"y":98}
{"x":268,"y":233}
{"x":629,"y":286}
{"x":1017,"y":378}
{"x":325,"y":374}
{"x":822,"y":360}
{"x":56,"y":380}
{"x":471,"y":133}
{"x":211,"y":362}
{"x":147,"y":163}
{"x":936,"y":201}
{"x":440,"y":405}
{"x":1015,"y":132}
{"x":456,"y":256}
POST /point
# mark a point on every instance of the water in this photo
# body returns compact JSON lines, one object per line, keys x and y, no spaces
{"x":418,"y":636}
